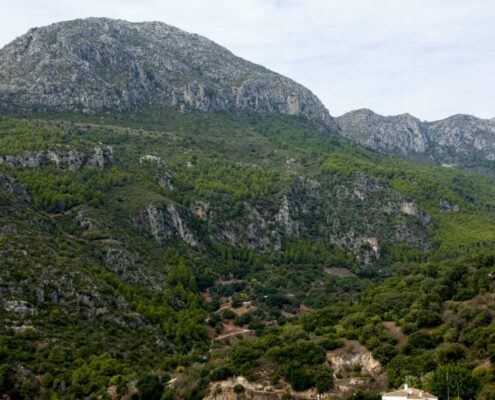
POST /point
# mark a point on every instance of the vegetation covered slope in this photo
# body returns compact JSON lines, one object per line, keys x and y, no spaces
{"x":129,"y":243}
{"x":431,"y":326}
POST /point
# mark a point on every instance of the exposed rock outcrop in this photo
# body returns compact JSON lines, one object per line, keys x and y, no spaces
{"x":72,"y":160}
{"x":11,"y":186}
{"x":354,"y":367}
{"x":97,"y":63}
{"x":101,"y":157}
{"x":404,"y":133}
{"x":458,"y":140}
{"x":165,"y":221}
{"x":359,"y":214}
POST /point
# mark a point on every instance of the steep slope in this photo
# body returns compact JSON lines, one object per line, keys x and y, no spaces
{"x":463,"y":134}
{"x":403,"y":133}
{"x":96,"y":64}
{"x":428,"y":322}
{"x":144,"y":225}
{"x":169,"y":202}
{"x":462,"y":140}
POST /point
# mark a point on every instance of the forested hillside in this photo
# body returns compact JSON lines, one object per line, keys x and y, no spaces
{"x":133,"y":244}
{"x":179,"y":223}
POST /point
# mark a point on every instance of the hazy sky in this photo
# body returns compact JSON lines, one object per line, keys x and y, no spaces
{"x":430,"y":58}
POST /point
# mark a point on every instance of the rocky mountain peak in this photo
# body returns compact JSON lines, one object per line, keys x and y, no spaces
{"x":402,"y":132}
{"x":454,"y":140}
{"x":99,"y":64}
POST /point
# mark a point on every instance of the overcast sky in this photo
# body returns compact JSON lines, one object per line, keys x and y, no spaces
{"x":430,"y":58}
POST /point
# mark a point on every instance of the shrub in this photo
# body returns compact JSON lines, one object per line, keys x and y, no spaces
{"x":150,"y":388}
{"x":239,"y":389}
{"x":228,"y":314}
{"x":450,"y":352}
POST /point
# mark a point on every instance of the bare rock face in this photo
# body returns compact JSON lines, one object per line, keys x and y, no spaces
{"x":72,"y":160}
{"x":200,"y":209}
{"x":452,"y":141}
{"x":97,"y":63}
{"x":11,"y":186}
{"x":19,"y":307}
{"x":166,"y":221}
{"x":358,"y":213}
{"x":464,"y":133}
{"x":402,"y":132}
{"x":101,"y":157}
{"x":354,"y":356}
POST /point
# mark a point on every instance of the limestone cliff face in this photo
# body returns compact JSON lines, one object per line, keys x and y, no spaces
{"x":358,"y":214}
{"x":164,"y":221}
{"x":96,"y":64}
{"x":459,"y":139}
{"x":464,"y":133}
{"x":402,"y":132}
{"x":70,"y":159}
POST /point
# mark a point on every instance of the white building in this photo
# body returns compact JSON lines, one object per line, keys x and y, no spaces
{"x":408,"y":393}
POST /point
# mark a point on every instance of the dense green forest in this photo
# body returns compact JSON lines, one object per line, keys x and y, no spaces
{"x":131,"y":243}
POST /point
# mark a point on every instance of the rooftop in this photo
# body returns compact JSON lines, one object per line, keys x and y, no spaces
{"x":410,"y":393}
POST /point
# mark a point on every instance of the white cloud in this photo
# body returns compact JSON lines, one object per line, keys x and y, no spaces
{"x":429,"y":58}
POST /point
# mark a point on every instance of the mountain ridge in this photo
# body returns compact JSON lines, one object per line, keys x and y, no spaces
{"x":170,"y":251}
{"x":99,"y":64}
{"x":460,"y":139}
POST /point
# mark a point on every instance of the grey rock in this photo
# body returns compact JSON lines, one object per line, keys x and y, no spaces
{"x":70,"y":159}
{"x":19,"y":307}
{"x":165,"y":181}
{"x":124,"y":264}
{"x":283,"y":217}
{"x":458,"y":140}
{"x":97,"y":63}
{"x":151,"y":159}
{"x":11,"y":186}
{"x":379,"y":216}
{"x":200,"y":209}
{"x":447,"y":206}
{"x":165,"y":221}
{"x":402,"y":132}
{"x":102,"y":157}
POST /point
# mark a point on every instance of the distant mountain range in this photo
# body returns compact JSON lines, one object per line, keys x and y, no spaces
{"x":461,"y":140}
{"x":100,"y":64}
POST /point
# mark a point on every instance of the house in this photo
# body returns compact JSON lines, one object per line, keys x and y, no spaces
{"x":408,"y":393}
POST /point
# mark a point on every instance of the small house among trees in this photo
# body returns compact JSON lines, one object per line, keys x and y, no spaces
{"x":408,"y":393}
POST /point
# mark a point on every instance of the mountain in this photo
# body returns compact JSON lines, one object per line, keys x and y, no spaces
{"x":160,"y":245}
{"x":99,"y":64}
{"x":461,"y":140}
{"x":403,"y":133}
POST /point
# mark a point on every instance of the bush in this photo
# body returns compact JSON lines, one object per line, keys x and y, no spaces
{"x":239,"y":389}
{"x":488,"y":392}
{"x":236,"y":302}
{"x":6,"y":382}
{"x":420,"y":340}
{"x":150,"y":388}
{"x":220,"y":373}
{"x":364,"y":395}
{"x":299,"y":377}
{"x":384,"y":353}
{"x":450,"y":353}
{"x":323,"y":379}
{"x":228,"y":314}
{"x":330,"y":343}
